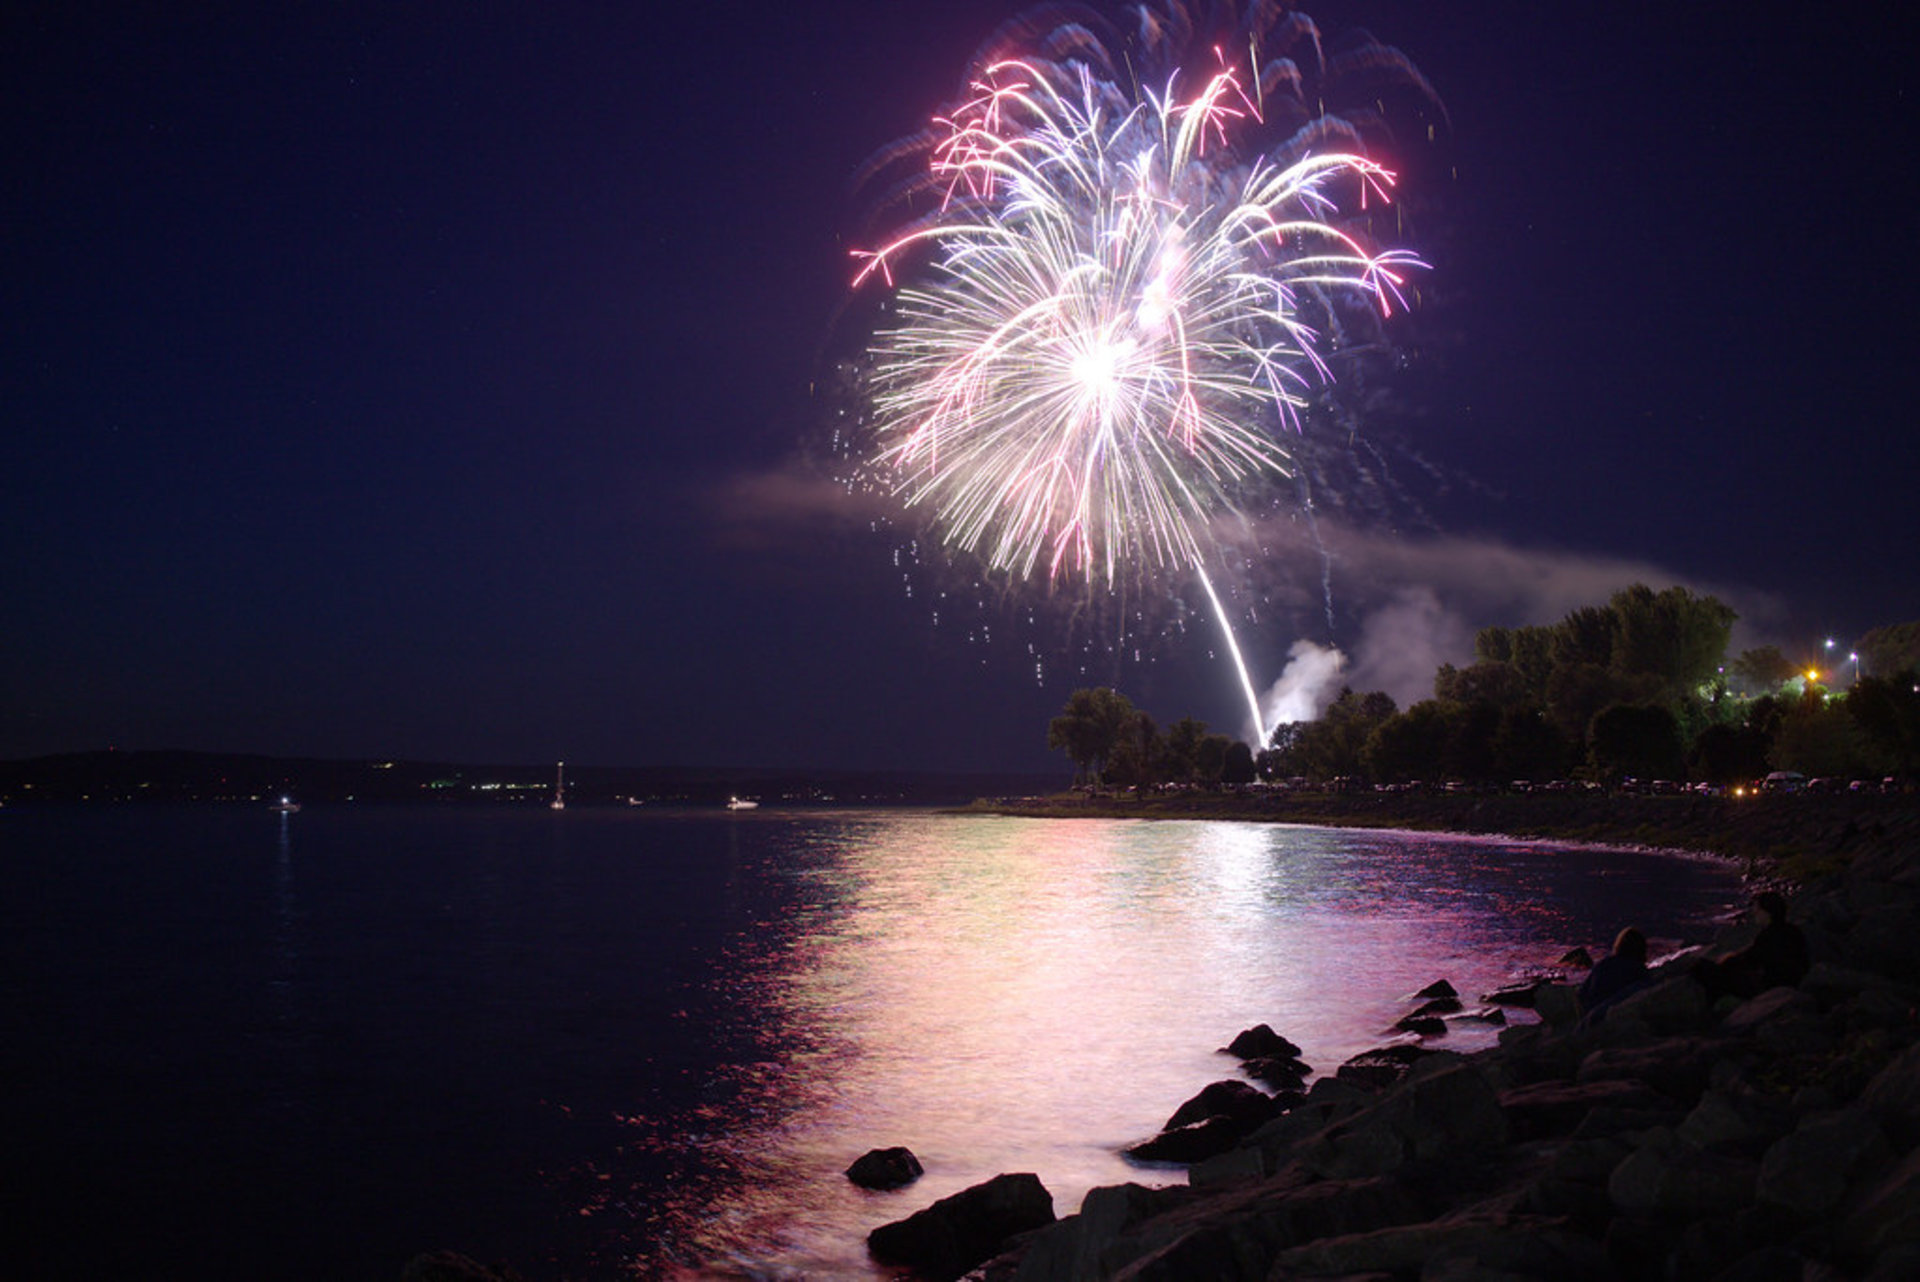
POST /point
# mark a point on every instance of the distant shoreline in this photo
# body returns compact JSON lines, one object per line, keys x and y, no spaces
{"x":1790,"y":837}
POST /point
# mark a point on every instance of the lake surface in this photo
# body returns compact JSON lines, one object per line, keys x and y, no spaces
{"x":609,"y":1043}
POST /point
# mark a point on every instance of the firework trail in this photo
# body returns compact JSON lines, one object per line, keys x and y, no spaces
{"x":1118,"y":303}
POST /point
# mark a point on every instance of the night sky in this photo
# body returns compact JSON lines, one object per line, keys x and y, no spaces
{"x":427,"y":380}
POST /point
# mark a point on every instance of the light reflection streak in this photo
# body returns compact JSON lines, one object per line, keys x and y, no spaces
{"x":1008,"y":995}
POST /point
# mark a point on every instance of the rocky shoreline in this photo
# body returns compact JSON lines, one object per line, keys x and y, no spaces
{"x":1677,"y":1137}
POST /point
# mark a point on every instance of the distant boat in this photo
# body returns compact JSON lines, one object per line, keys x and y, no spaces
{"x":741,"y":803}
{"x":559,"y":787}
{"x":287,"y":805}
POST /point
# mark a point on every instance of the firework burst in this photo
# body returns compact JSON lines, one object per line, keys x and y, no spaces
{"x":1108,"y":324}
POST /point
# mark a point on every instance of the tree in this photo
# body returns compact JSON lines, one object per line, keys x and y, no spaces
{"x":1728,"y":754}
{"x":1818,"y":738}
{"x":1089,"y":728}
{"x":1887,"y":711}
{"x":1330,"y":747}
{"x":1641,"y":740}
{"x":1409,"y":745}
{"x":1672,"y":639}
{"x":1490,"y":681}
{"x":1762,"y":670}
{"x":1527,"y":746}
{"x":1210,"y":763}
{"x":1181,"y":752}
{"x":1238,"y":767}
{"x":1137,"y":758}
{"x":1890,"y":650}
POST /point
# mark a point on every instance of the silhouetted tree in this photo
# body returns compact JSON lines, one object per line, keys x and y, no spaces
{"x":1888,"y":651}
{"x":1330,"y":747}
{"x":1762,"y":670}
{"x":1887,"y":710}
{"x":1239,"y":766}
{"x":1636,"y":739}
{"x":1090,"y":727}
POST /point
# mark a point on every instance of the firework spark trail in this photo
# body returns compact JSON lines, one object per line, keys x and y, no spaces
{"x":1118,"y":315}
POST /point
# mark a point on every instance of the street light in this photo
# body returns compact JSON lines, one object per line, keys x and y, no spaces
{"x":1853,"y":657}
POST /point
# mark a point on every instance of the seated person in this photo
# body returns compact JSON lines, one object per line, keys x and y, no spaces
{"x":1776,"y":958}
{"x":1620,"y":972}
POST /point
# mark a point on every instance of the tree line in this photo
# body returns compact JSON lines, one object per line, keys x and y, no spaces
{"x":1640,"y":687}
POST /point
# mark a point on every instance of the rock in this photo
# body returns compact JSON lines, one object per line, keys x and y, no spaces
{"x":1261,"y":1042}
{"x":1484,"y":1015}
{"x":1438,"y":988}
{"x":1667,"y":1007}
{"x":1668,"y":1179}
{"x":1192,"y":1141}
{"x":1517,"y":994}
{"x":451,"y":1266}
{"x":885,"y":1168}
{"x":1445,"y":1107}
{"x":1423,"y":1025}
{"x":957,"y":1233}
{"x":1893,"y":1098}
{"x":1556,"y":1108}
{"x":1726,"y":1120}
{"x":1436,"y":1006}
{"x":1381,"y":1066}
{"x":1677,"y":1067}
{"x":1277,"y":1071}
{"x":1887,"y":1215}
{"x":1558,"y":1004}
{"x":1086,"y":1245}
{"x":1576,"y":959}
{"x":1809,"y":1170}
{"x":1519,"y":1245}
{"x":1235,"y":1100}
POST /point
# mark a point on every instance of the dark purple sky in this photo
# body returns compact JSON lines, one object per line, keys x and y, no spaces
{"x":400,"y":380}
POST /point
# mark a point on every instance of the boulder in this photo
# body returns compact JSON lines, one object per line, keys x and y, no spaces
{"x":1673,"y":1005}
{"x":1483,"y":1015}
{"x":1445,"y":1107}
{"x":1235,"y":1100}
{"x":1516,"y":994}
{"x":1091,"y":1243}
{"x":1887,"y":1215}
{"x":885,"y":1168}
{"x":1503,"y":1245}
{"x":1261,"y":1042}
{"x":1809,"y":1170}
{"x":1277,"y":1071}
{"x":1422,"y":1025}
{"x":1556,"y":1108}
{"x":1576,"y":959}
{"x":1192,"y":1142}
{"x":1380,"y":1067}
{"x":1668,"y":1179}
{"x":451,"y":1266}
{"x":1436,"y":1006}
{"x":1438,"y":988}
{"x":1893,"y":1098}
{"x":1728,"y":1119}
{"x":955,"y":1234}
{"x":1677,"y":1067}
{"x":1558,"y":1004}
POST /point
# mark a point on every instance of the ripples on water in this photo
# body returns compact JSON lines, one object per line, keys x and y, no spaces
{"x":1030,"y":995}
{"x":602,"y":1042}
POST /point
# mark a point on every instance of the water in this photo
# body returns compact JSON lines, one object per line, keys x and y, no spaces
{"x":607,"y":1043}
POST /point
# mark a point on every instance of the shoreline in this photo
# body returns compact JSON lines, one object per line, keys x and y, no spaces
{"x":1679,"y":1136}
{"x":1793,"y":839}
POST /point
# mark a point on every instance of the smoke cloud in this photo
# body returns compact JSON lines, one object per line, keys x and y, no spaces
{"x":1310,"y":681}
